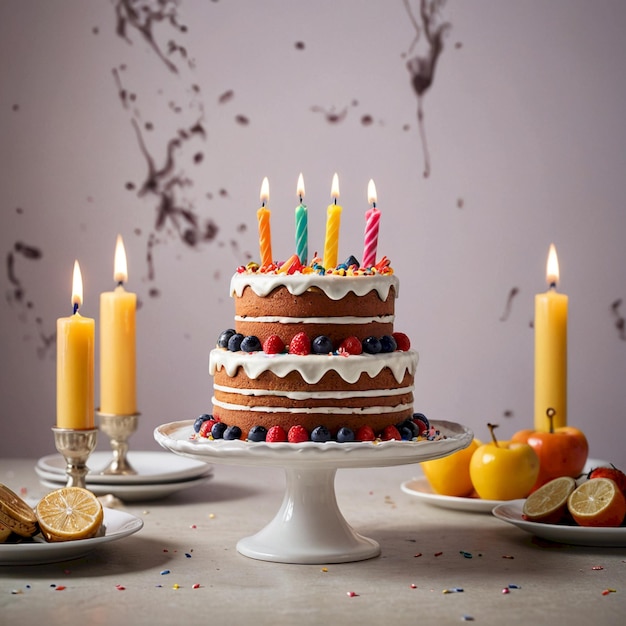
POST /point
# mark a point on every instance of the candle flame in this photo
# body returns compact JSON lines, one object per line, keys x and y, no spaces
{"x":334,"y":190}
{"x":300,"y":188}
{"x":265,"y":191}
{"x":552,"y":267}
{"x":371,"y":193}
{"x":77,"y":287}
{"x":120,"y":268}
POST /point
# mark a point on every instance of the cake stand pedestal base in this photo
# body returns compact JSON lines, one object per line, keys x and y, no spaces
{"x":309,"y":527}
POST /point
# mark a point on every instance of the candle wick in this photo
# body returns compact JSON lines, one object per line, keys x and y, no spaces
{"x":335,"y":201}
{"x":120,"y":283}
{"x":374,"y":204}
{"x":553,"y":285}
{"x":75,"y":308}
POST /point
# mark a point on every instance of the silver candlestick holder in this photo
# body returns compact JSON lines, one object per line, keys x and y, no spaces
{"x":75,"y":446}
{"x":118,"y":428}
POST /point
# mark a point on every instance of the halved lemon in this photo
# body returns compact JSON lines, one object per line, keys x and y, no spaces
{"x":597,"y":502}
{"x":548,"y":504}
{"x":69,"y":513}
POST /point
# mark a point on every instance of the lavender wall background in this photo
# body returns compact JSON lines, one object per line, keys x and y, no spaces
{"x":162,"y":130}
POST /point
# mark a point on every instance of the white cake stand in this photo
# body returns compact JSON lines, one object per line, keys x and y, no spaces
{"x":309,"y":527}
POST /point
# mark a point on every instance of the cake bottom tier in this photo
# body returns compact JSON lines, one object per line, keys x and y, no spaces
{"x":270,"y":400}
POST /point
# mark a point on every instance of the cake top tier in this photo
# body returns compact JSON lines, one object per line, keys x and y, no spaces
{"x":336,"y":283}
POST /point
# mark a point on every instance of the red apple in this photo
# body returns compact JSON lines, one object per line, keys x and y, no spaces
{"x":562,"y":451}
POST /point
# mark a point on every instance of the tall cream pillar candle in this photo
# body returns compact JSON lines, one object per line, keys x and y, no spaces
{"x":118,"y":395}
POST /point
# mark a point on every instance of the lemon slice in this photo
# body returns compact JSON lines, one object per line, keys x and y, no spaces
{"x":548,"y":504}
{"x":69,"y":513}
{"x":597,"y":502}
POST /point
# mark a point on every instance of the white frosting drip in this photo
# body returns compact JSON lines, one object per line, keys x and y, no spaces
{"x":313,"y":366}
{"x":329,"y":410}
{"x":334,"y":286}
{"x":348,"y":319}
{"x":317,"y":395}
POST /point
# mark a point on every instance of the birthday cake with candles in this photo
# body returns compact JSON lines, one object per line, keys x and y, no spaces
{"x":313,"y":354}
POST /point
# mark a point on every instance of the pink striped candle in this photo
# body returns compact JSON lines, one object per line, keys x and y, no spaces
{"x":372,"y":221}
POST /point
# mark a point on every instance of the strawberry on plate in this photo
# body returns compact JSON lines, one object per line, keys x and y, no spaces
{"x":613,"y":473}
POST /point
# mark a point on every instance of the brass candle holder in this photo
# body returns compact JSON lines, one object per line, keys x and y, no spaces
{"x":118,"y":428}
{"x":75,"y":446}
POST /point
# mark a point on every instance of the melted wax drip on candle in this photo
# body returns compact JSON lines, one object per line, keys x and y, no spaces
{"x":509,"y":304}
{"x":620,"y":323}
{"x":166,"y":180}
{"x":422,"y":67}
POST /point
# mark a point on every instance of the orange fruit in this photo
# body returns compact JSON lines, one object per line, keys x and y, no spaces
{"x":597,"y":502}
{"x":69,"y":513}
{"x":449,"y":475}
{"x":548,"y":504}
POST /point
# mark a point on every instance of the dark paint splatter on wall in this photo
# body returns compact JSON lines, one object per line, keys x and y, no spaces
{"x":422,"y":66}
{"x":17,"y":295}
{"x":142,"y":16}
{"x":167,"y":178}
{"x":620,"y":322}
{"x":509,"y":304}
{"x":227,"y":96}
{"x":331,"y":115}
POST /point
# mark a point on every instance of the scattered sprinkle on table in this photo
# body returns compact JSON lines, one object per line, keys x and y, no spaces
{"x":438,"y":553}
{"x":467,"y":555}
{"x":597,"y":567}
{"x":120,"y":587}
{"x":175,"y":586}
{"x":196,"y":586}
{"x":468,"y":618}
{"x":324,"y":569}
{"x":59,"y":588}
{"x":507,"y":556}
{"x":165,"y":572}
{"x":418,"y":554}
{"x":606,"y":592}
{"x":351,"y":594}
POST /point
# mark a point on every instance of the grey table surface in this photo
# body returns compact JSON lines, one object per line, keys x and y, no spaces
{"x":425,"y":550}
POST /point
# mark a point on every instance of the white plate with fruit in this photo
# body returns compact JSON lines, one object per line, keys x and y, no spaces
{"x":512,"y":512}
{"x":587,"y":512}
{"x":65,"y":524}
{"x":420,"y":488}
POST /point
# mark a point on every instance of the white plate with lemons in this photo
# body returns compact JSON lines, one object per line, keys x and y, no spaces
{"x":117,"y":525}
{"x":511,"y":512}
